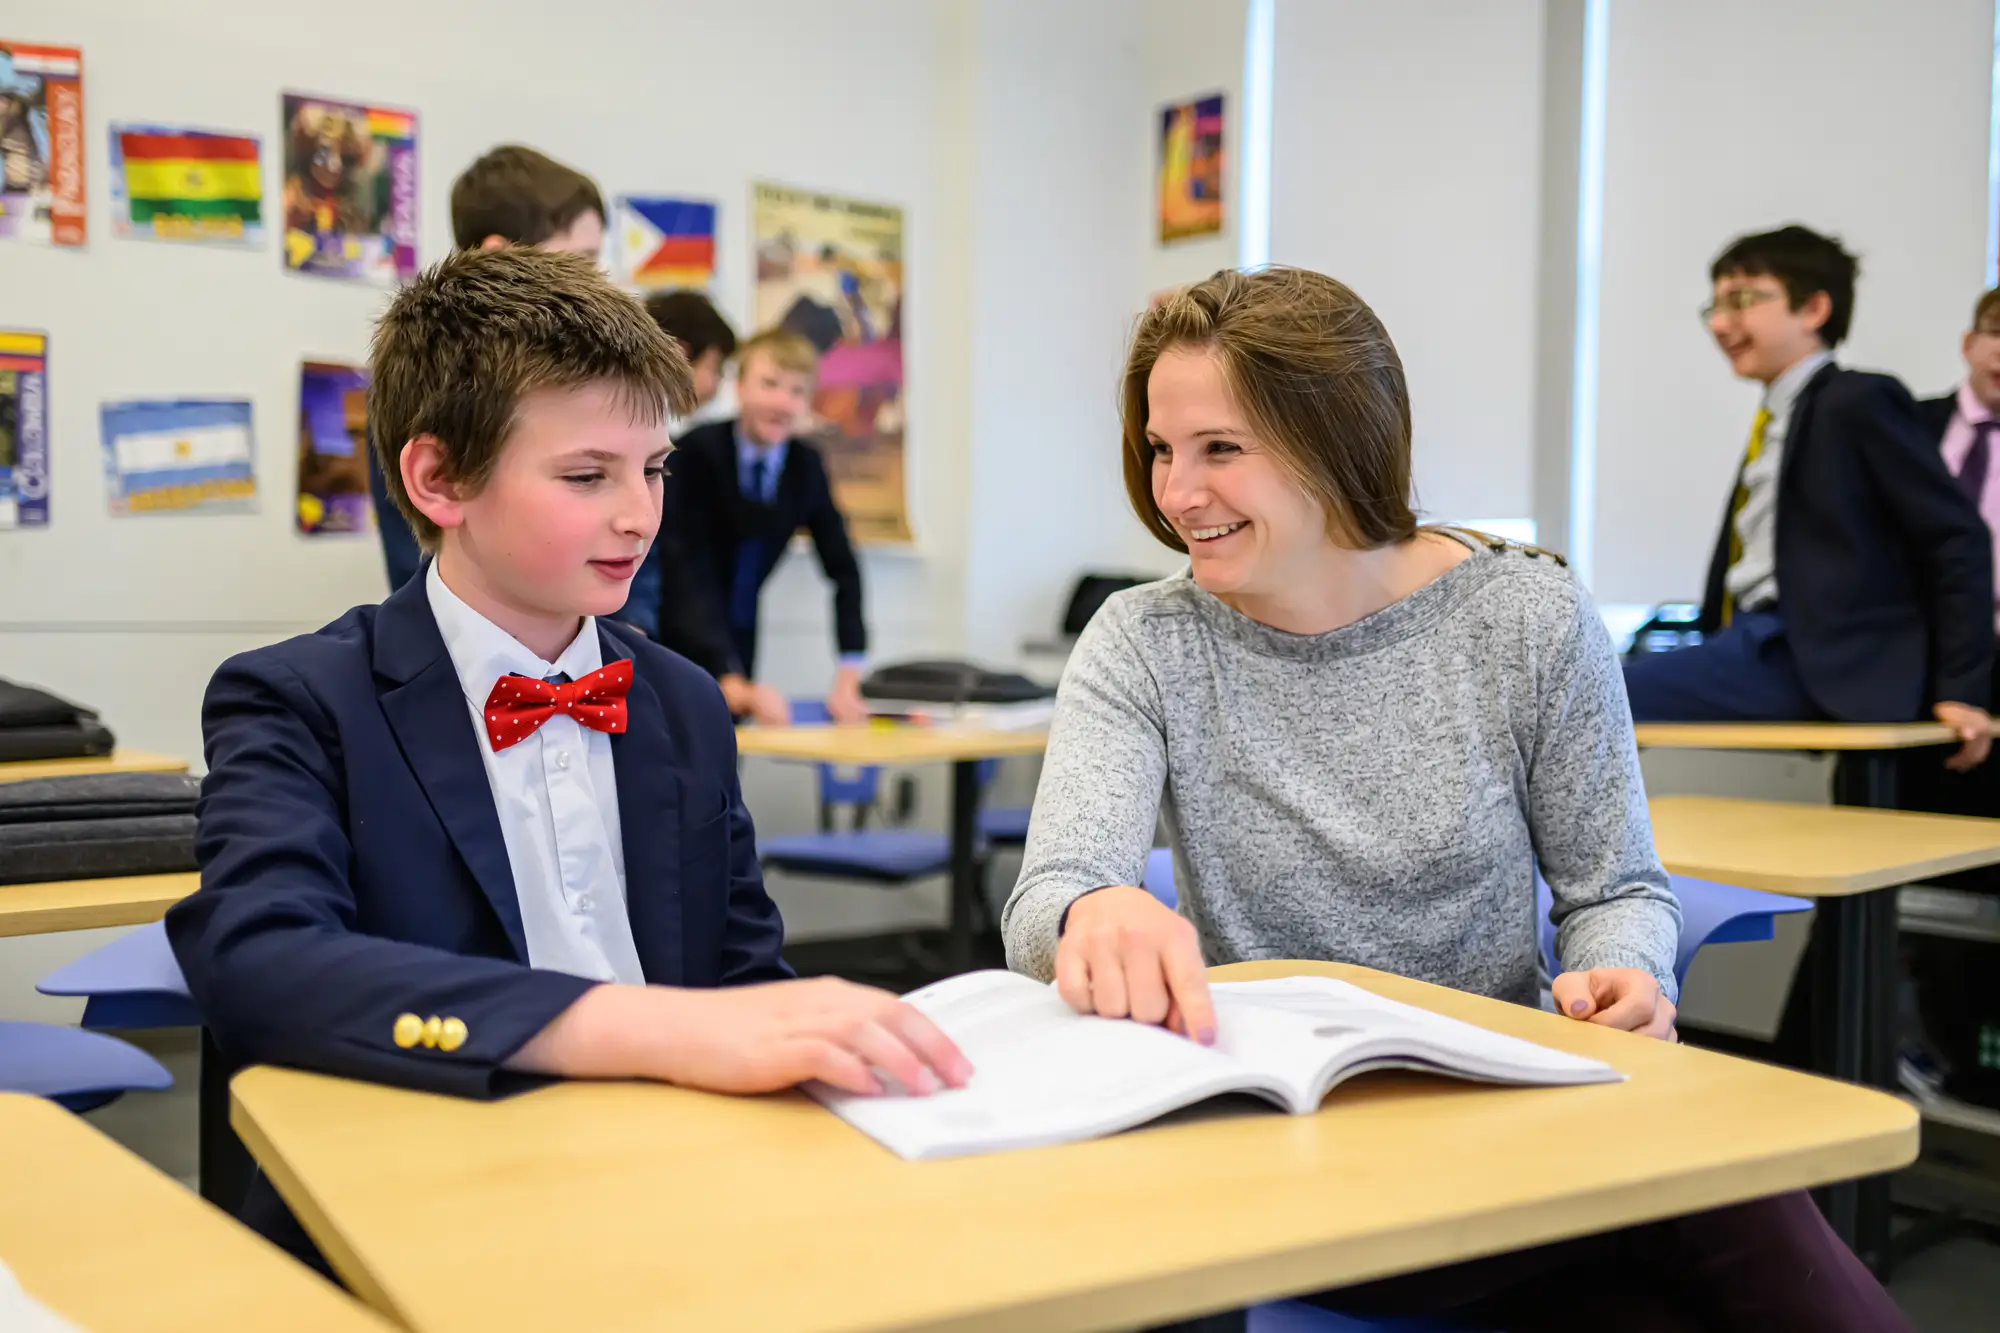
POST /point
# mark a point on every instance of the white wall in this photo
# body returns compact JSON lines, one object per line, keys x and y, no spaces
{"x":1406,"y":159}
{"x":1865,"y":118}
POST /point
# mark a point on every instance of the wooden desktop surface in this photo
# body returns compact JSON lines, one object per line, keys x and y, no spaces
{"x":1793,"y":735}
{"x":118,"y":761}
{"x":113,"y":1246}
{"x":631,"y":1206}
{"x":888,"y":745}
{"x":84,"y":904}
{"x":1814,"y":851}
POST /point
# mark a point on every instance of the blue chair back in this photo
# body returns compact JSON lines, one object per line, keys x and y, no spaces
{"x":1160,"y":876}
{"x":75,"y":1069}
{"x":858,"y":787}
{"x":133,"y":982}
{"x":1711,"y":913}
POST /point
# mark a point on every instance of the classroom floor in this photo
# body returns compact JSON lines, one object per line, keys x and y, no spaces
{"x":1953,"y":1287}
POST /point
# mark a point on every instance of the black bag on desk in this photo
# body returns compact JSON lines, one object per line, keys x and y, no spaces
{"x":96,"y":826}
{"x":950,"y":683}
{"x":35,"y":724}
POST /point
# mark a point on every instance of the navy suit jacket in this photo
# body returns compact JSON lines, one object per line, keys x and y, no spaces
{"x":1885,"y":571}
{"x":716,"y":518}
{"x":353,"y":870}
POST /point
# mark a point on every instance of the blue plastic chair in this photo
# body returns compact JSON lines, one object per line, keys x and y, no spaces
{"x":1711,"y":913}
{"x":132,"y":982}
{"x":888,"y":856}
{"x":75,"y":1069}
{"x":1004,"y":826}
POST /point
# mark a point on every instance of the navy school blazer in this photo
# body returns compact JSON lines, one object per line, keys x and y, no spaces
{"x":1885,"y":569}
{"x":353,"y":871}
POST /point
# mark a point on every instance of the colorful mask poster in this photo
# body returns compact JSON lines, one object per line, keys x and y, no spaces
{"x":333,"y":449}
{"x":24,"y":429}
{"x":1190,"y":169}
{"x":350,"y":190}
{"x":830,"y":269}
{"x":175,"y":184}
{"x":41,"y":144}
{"x":179,"y":457}
{"x":665,"y":243}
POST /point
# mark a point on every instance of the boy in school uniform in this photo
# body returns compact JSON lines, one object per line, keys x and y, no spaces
{"x":1962,"y":425}
{"x":665,"y":601}
{"x":479,"y":831}
{"x":1851,"y":578}
{"x":744,"y":486}
{"x":511,"y":196}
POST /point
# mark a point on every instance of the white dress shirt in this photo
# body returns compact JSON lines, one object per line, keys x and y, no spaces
{"x":556,"y":793}
{"x":1753,"y":579}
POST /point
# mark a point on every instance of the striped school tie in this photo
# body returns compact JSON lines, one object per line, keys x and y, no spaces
{"x":1741,"y":498}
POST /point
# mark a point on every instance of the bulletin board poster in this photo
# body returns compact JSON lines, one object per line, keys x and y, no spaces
{"x":24,"y":429}
{"x":350,"y":190}
{"x":830,"y":269}
{"x":1190,"y":169}
{"x":184,"y":456}
{"x":41,"y":144}
{"x":665,"y":243}
{"x":334,"y":498}
{"x":169,"y":183}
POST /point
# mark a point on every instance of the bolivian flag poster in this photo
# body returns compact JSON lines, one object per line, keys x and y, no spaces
{"x":174,"y":184}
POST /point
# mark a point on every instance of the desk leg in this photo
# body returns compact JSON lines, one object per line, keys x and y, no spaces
{"x":965,"y":885}
{"x":1854,"y":987}
{"x":224,"y":1162}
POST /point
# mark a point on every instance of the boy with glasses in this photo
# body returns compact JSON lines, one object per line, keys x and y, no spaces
{"x":1852,"y":578}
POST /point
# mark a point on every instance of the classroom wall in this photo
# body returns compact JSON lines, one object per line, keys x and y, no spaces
{"x":1867,"y":118}
{"x":1406,"y":155}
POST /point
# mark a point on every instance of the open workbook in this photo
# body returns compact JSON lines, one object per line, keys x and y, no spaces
{"x":1045,"y":1074}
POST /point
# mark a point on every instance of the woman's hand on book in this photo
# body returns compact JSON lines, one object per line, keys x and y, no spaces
{"x":1617,"y":997}
{"x":1125,"y":954}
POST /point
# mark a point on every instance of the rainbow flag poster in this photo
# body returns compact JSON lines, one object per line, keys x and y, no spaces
{"x":174,"y":184}
{"x":178,"y":457}
{"x":665,"y":243}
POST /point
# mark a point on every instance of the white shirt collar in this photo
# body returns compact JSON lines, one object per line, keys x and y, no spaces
{"x":1785,"y":389}
{"x":482,"y":652}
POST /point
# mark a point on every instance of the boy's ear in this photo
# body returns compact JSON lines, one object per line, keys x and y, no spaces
{"x":494,"y":243}
{"x":434,"y":494}
{"x":1818,"y":308}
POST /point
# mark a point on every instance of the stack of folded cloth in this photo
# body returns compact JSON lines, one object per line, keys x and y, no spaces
{"x":90,"y":827}
{"x":35,"y":724}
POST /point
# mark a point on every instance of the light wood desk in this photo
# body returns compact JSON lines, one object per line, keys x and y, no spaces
{"x":118,"y":761}
{"x":634,"y":1206}
{"x":85,"y":904}
{"x":962,"y":747}
{"x":1852,"y":861}
{"x":112,"y":1245}
{"x":1870,"y":753}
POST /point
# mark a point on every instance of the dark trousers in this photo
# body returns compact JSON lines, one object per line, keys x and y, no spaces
{"x":1745,"y":673}
{"x":1769,"y":1266}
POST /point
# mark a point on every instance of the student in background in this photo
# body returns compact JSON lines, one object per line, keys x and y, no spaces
{"x":511,"y":196}
{"x":480,"y":831}
{"x":666,"y":601}
{"x":1851,"y":578}
{"x":1366,"y":738}
{"x":1963,"y":424}
{"x":743,"y":487}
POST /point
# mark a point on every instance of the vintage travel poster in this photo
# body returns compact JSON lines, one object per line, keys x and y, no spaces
{"x":41,"y":144}
{"x":333,"y":450}
{"x":350,"y":194}
{"x":24,"y":429}
{"x":1190,"y":169}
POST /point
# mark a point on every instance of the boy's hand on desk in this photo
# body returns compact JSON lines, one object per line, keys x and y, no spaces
{"x":843,"y":702}
{"x":1974,"y":729}
{"x":748,"y":1039}
{"x":1126,"y":954}
{"x":1628,"y":998}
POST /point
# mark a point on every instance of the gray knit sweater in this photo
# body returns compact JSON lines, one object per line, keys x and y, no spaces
{"x":1381,"y":794}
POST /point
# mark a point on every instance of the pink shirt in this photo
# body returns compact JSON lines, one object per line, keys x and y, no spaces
{"x":1957,"y":444}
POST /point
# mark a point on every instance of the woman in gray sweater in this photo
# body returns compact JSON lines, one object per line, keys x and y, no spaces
{"x":1365,"y":738}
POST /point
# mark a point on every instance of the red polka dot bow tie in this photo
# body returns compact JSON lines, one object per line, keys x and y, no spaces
{"x":520,"y":704}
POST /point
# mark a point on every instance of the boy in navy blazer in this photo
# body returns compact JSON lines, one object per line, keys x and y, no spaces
{"x":479,"y":832}
{"x":1851,"y":578}
{"x":745,"y":486}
